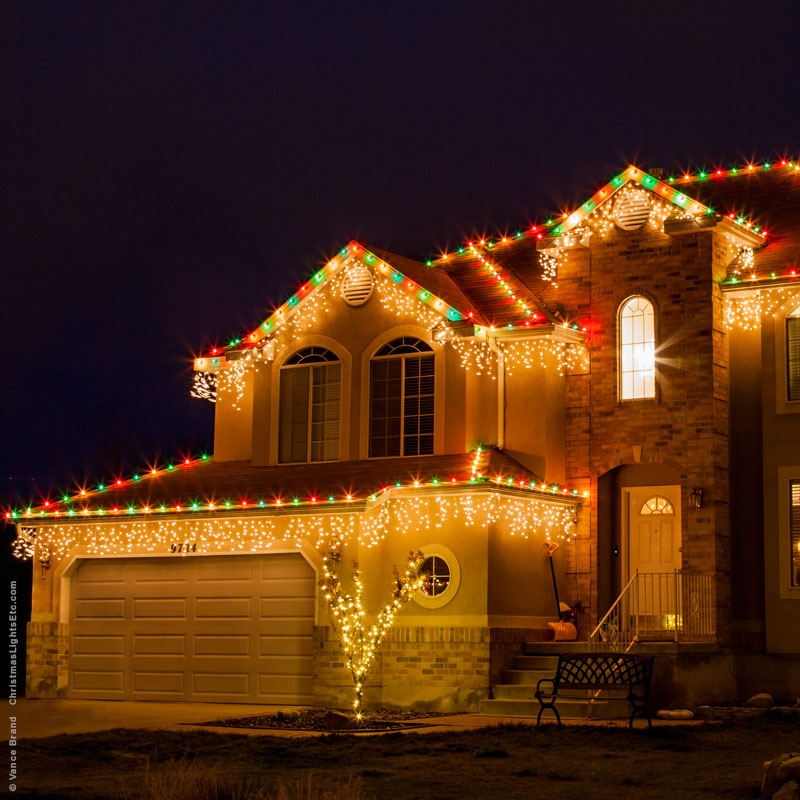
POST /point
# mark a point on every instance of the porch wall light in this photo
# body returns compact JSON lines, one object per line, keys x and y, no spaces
{"x":696,"y":498}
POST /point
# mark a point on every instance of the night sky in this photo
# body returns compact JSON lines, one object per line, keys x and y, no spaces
{"x":171,"y":171}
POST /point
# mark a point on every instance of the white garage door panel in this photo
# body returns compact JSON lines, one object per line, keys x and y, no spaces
{"x":156,"y":570}
{"x":218,"y":628}
{"x":210,"y":645}
{"x":106,"y":681}
{"x":107,"y":572}
{"x":285,"y":665}
{"x":285,"y":607}
{"x":103,"y":645}
{"x":285,"y":645}
{"x":159,"y":645}
{"x":219,"y":684}
{"x":159,"y":608}
{"x":102,"y":608}
{"x":223,"y":607}
{"x":287,"y":587}
{"x":241,"y":569}
{"x":162,"y":682}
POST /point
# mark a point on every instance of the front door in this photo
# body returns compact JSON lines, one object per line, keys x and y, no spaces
{"x":653,"y":539}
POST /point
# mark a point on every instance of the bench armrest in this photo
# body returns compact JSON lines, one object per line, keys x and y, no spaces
{"x":544,"y":682}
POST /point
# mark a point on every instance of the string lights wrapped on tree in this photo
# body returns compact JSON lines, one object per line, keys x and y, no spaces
{"x":360,"y":641}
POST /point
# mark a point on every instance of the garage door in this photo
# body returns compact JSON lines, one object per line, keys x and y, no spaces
{"x":232,"y":629}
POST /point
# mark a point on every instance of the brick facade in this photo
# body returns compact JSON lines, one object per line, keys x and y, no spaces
{"x":47,"y":660}
{"x":437,"y":668}
{"x":685,"y":427}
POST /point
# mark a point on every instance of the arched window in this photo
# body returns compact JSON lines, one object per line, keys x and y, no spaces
{"x":793,"y":355}
{"x":310,"y":400}
{"x":637,"y":349}
{"x":401,"y":385}
{"x":657,"y":505}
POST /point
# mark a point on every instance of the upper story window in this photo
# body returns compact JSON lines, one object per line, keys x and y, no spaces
{"x":793,"y":355}
{"x":794,"y":533}
{"x":637,"y":349}
{"x":401,"y":384}
{"x":310,"y":406}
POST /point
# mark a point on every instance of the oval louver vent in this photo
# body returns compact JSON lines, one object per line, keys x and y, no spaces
{"x":632,"y":211}
{"x":357,"y":286}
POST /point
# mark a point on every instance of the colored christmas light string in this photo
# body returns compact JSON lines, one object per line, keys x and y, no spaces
{"x":397,"y":516}
{"x":566,"y":223}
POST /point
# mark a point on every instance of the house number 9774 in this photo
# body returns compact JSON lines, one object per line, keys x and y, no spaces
{"x":183,"y":547}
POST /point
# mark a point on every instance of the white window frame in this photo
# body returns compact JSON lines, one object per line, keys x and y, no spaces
{"x":405,"y":350}
{"x":636,"y":348}
{"x":313,"y":366}
{"x":440,"y":600}
{"x":786,"y":558}
{"x":784,"y":404}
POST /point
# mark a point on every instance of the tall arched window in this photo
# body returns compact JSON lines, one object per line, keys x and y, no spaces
{"x":310,"y":400}
{"x":793,"y":355}
{"x":401,"y":386}
{"x":637,"y":349}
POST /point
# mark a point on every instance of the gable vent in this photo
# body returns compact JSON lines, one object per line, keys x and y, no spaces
{"x":632,"y":210}
{"x":357,"y":286}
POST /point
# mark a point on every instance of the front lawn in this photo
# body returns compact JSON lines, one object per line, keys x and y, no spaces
{"x":711,"y":760}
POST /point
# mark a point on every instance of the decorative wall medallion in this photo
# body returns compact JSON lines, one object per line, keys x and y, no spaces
{"x":357,"y":285}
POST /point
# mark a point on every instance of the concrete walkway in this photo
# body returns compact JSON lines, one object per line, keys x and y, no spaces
{"x":40,"y":718}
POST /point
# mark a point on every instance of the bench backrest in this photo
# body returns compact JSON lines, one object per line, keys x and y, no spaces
{"x":595,"y":670}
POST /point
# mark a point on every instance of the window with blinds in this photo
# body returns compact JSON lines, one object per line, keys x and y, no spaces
{"x":310,"y":407}
{"x":401,"y":421}
{"x":794,"y":531}
{"x":793,"y":357}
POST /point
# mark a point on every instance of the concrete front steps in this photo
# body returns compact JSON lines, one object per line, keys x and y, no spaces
{"x":515,"y":696}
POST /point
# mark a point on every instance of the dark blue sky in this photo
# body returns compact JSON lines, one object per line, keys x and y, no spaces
{"x":173,"y":170}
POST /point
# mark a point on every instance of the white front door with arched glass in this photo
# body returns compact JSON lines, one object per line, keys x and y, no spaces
{"x":652,"y":539}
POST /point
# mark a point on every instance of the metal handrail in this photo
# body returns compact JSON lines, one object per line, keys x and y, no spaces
{"x":608,"y":615}
{"x":659,"y":605}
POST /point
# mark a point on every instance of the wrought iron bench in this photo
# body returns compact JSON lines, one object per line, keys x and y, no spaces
{"x":599,"y":671}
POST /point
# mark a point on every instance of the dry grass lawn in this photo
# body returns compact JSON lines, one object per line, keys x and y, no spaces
{"x":713,"y":760}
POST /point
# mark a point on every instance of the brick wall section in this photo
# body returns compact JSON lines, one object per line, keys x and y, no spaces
{"x":686,"y":426}
{"x":437,"y":656}
{"x":46,"y":666}
{"x":450,"y":663}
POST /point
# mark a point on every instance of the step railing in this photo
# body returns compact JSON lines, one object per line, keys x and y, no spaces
{"x":674,"y":606}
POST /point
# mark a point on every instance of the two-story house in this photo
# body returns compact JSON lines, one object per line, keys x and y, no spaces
{"x":623,"y":381}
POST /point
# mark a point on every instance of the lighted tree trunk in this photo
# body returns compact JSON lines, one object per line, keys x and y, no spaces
{"x":360,"y":641}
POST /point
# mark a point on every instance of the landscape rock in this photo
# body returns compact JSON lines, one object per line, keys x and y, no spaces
{"x":789,"y":791}
{"x":772,"y":778}
{"x":336,"y":721}
{"x":760,"y":700}
{"x":674,"y":713}
{"x":789,"y":770}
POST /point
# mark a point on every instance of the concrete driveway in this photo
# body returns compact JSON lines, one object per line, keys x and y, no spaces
{"x":37,"y":718}
{"x":40,"y":718}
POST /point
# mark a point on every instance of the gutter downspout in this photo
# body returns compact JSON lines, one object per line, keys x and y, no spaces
{"x":501,"y":392}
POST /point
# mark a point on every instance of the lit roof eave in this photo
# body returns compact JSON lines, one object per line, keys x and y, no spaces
{"x":564,"y":334}
{"x":526,"y":490}
{"x":733,"y":286}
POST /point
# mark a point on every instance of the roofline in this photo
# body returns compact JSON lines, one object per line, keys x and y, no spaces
{"x":556,"y":495}
{"x":746,"y":285}
{"x":633,"y":174}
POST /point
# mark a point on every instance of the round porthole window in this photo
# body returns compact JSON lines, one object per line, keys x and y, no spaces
{"x":441,"y":576}
{"x":436,"y":573}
